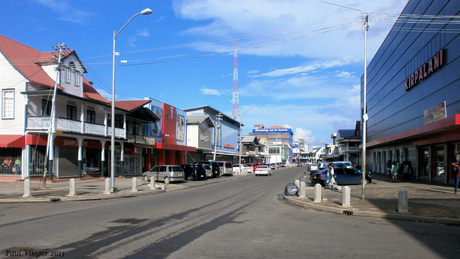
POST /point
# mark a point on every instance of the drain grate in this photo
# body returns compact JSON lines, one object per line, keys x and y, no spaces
{"x":348,"y":212}
{"x":55,"y":199}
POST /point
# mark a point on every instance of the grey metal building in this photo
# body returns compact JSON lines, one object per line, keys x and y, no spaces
{"x":413,"y":92}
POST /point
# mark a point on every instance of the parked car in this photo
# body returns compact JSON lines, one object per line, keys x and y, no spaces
{"x":165,"y":173}
{"x":249,"y":169}
{"x":225,"y":167}
{"x":263,"y":170}
{"x":272,"y":166}
{"x":338,"y":164}
{"x":208,"y":170}
{"x":343,"y":176}
{"x":368,"y":174}
{"x":194,"y":172}
{"x":253,"y":165}
{"x":214,"y":168}
{"x":237,"y":169}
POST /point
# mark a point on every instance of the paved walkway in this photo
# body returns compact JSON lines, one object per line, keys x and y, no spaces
{"x":89,"y":189}
{"x":428,"y":202}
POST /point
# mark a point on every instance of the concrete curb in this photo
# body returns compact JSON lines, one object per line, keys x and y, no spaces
{"x":350,"y":211}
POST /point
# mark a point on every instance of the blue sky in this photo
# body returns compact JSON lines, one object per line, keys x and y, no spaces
{"x":299,"y":61}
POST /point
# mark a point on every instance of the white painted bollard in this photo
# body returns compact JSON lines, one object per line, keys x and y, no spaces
{"x":317,"y":197}
{"x":72,"y":187}
{"x":134,"y":184}
{"x":346,"y":196}
{"x":403,"y":201}
{"x":297,"y":183}
{"x":152,"y":183}
{"x":27,"y":189}
{"x":107,"y":186}
{"x":302,"y":189}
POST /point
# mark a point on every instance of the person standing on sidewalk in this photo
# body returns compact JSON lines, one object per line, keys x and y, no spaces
{"x":457,"y":178}
{"x":330,"y":176}
{"x":394,"y":172}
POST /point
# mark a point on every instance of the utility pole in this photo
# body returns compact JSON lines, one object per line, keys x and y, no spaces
{"x":219,"y":118}
{"x":52,"y":126}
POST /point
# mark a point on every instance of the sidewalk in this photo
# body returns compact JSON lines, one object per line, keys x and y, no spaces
{"x":428,"y":202}
{"x":89,"y":189}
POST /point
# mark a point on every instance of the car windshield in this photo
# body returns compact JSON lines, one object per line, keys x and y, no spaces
{"x":206,"y":166}
{"x":228,"y":165}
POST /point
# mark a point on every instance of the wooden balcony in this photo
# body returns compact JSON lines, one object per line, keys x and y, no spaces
{"x":66,"y":125}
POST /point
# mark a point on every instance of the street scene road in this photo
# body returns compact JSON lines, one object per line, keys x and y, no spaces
{"x":240,"y":218}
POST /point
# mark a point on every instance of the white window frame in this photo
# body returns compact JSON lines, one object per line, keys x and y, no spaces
{"x":78,"y":77}
{"x":8,"y":104}
{"x":68,"y":75}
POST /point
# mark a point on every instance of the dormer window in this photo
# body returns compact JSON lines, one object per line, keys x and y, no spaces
{"x":78,"y":77}
{"x":68,"y":75}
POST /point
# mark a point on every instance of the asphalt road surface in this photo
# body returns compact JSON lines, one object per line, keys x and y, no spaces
{"x":242,"y":218}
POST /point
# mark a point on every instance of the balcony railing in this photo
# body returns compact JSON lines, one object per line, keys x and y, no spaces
{"x":42,"y":123}
{"x":352,"y":149}
{"x":136,"y":139}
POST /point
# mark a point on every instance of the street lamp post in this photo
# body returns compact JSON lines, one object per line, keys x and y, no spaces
{"x":365,"y":116}
{"x":241,"y":144}
{"x":112,"y":143}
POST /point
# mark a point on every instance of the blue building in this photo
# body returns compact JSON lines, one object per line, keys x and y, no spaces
{"x":413,"y":93}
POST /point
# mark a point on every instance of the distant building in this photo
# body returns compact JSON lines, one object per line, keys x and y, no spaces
{"x":279,"y":140}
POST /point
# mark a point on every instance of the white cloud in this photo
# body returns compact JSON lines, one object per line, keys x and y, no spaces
{"x":310,"y":29}
{"x":209,"y":91}
{"x":344,"y":74}
{"x":309,"y":68}
{"x":66,"y":11}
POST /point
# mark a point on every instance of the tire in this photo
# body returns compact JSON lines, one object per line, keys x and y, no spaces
{"x":167,"y":180}
{"x":190,"y":178}
{"x":146,"y":179}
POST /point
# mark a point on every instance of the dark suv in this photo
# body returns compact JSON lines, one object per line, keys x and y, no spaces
{"x":214,"y":168}
{"x":194,"y":172}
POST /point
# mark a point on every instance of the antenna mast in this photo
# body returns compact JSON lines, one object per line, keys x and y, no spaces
{"x":236,"y":91}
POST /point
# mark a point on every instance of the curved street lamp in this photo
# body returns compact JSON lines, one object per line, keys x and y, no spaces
{"x":146,"y":11}
{"x":241,"y":144}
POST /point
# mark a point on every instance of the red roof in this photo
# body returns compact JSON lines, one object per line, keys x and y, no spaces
{"x":28,"y":62}
{"x":25,"y":59}
{"x":131,"y":105}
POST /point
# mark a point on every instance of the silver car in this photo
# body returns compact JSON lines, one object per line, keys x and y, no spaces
{"x":165,"y":173}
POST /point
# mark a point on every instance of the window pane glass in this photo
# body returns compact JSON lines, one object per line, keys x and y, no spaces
{"x":8,"y":104}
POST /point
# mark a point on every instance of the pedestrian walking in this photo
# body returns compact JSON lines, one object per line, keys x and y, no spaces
{"x":394,"y":172}
{"x":457,"y":178}
{"x":407,"y":170}
{"x":389,"y":168}
{"x":330,"y":176}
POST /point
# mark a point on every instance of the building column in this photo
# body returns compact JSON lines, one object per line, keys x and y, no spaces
{"x":103,"y":157}
{"x":161,"y":157}
{"x":171,"y":157}
{"x":80,"y":155}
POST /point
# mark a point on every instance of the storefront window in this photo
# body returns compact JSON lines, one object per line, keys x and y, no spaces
{"x":11,"y":160}
{"x":425,"y":170}
{"x":440,"y":163}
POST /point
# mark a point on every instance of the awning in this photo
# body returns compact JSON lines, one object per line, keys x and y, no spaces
{"x":161,"y":145}
{"x":12,"y":141}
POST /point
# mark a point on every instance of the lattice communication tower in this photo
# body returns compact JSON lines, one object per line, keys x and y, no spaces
{"x":236,"y":91}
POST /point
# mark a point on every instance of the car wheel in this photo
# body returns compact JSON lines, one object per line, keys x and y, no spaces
{"x":190,"y":178}
{"x":167,"y":180}
{"x":146,"y":178}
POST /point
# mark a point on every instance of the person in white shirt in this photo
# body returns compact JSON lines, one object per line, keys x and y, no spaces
{"x":330,"y":175}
